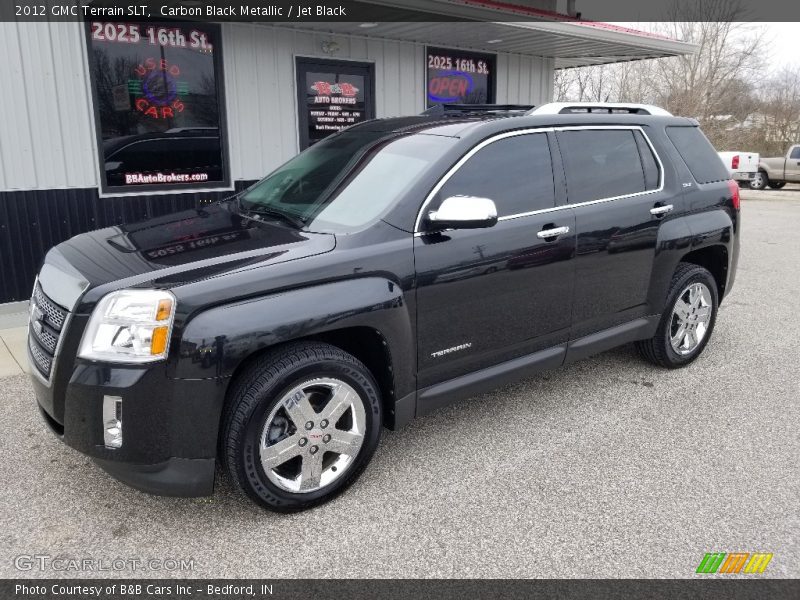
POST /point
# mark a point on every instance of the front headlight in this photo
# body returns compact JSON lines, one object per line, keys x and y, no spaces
{"x":129,"y":326}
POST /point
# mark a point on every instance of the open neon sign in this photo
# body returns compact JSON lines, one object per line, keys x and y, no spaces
{"x":449,"y":86}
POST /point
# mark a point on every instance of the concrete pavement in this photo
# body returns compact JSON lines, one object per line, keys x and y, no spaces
{"x":13,"y":332}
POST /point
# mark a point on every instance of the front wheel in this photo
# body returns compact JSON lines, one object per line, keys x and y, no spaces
{"x":687,"y":321}
{"x":301,"y":424}
{"x":760,"y":181}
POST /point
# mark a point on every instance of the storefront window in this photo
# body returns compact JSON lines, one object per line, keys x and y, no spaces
{"x":157,"y":94}
{"x":459,"y":77}
{"x":332,"y":95}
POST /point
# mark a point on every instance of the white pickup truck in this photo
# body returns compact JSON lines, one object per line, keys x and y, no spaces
{"x":777,"y":172}
{"x":742,"y":166}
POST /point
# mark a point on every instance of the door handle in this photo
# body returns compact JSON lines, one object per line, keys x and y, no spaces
{"x":545,"y":234}
{"x":658,"y":211}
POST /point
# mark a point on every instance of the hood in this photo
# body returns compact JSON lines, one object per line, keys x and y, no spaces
{"x":176,"y":249}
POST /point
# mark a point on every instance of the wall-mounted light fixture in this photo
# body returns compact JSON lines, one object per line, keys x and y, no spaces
{"x":330,"y":47}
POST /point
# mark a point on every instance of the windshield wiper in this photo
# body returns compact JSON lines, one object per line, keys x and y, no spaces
{"x":271,"y":212}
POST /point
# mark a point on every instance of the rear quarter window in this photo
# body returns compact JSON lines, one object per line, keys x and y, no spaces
{"x":698,"y":154}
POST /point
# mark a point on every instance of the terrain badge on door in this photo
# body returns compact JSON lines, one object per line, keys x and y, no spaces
{"x":439,"y":353}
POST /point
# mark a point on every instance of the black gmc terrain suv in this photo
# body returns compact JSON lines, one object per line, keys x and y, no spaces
{"x":386,"y":271}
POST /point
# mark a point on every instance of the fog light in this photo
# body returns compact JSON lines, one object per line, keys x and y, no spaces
{"x":112,"y":421}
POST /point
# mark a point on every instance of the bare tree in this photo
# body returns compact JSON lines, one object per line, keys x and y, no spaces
{"x":778,"y":120}
{"x":718,"y":85}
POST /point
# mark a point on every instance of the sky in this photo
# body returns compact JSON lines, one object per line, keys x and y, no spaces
{"x":782,"y":38}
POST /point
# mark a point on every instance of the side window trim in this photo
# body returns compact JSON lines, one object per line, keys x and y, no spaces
{"x":640,"y":144}
{"x":432,"y":194}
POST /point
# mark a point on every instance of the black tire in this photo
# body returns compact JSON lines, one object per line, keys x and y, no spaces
{"x":256,"y":393}
{"x":658,"y":350}
{"x":760,"y":182}
{"x":776,"y":185}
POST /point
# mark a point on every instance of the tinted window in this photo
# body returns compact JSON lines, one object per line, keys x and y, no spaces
{"x":157,"y":102}
{"x":600,"y":163}
{"x":698,"y":154}
{"x":795,"y":152}
{"x":649,"y":164}
{"x":515,"y":172}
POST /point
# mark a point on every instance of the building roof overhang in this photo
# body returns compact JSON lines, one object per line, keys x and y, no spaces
{"x":488,"y":25}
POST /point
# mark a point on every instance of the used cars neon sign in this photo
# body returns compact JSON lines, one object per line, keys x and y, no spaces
{"x":158,"y":88}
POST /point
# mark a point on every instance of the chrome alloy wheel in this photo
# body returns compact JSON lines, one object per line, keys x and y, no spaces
{"x":690,"y":318}
{"x":312,"y":435}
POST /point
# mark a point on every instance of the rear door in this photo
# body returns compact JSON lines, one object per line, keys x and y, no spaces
{"x":489,"y":295}
{"x":614,"y":184}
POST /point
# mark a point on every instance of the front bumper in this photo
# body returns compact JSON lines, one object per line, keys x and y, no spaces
{"x":169,"y":426}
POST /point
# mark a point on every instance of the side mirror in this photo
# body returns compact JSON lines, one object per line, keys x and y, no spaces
{"x":463,"y":212}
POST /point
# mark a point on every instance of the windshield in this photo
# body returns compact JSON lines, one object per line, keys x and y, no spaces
{"x":345,"y":181}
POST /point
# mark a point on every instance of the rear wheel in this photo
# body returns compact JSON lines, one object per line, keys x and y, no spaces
{"x":760,"y":181}
{"x":301,"y":425}
{"x":687,"y":321}
{"x":776,"y":185}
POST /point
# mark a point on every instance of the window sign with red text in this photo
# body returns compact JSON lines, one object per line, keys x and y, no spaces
{"x":157,"y":92}
{"x":459,"y":77}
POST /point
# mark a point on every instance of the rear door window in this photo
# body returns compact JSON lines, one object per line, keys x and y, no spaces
{"x":515,"y":172}
{"x":601,"y":163}
{"x":698,"y":154}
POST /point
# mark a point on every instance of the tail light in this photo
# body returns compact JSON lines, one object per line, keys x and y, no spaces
{"x":734,"y":188}
{"x":735,"y":162}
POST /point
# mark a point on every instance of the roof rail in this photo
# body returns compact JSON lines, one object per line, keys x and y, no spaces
{"x":462,"y":109}
{"x":566,"y":108}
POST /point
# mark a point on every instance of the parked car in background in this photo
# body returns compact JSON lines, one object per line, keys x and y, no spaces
{"x":742,"y":166}
{"x":777,"y":172}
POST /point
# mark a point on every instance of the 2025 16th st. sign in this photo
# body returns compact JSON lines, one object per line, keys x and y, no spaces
{"x":459,"y":77}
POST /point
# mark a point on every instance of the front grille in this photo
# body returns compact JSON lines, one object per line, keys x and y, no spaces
{"x":52,"y":313}
{"x":47,"y":337}
{"x":46,"y":324}
{"x":41,"y":359}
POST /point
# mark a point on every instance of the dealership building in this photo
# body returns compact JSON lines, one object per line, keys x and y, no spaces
{"x":108,"y":122}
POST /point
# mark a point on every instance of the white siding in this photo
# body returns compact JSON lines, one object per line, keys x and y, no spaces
{"x":47,"y":137}
{"x":261,"y":93}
